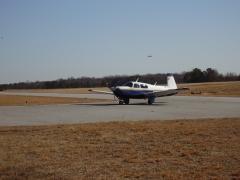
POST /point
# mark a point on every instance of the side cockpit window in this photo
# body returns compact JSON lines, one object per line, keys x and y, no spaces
{"x":136,"y":85}
{"x":129,"y":84}
{"x":144,"y":86}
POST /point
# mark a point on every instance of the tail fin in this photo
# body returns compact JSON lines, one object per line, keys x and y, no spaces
{"x":171,"y":84}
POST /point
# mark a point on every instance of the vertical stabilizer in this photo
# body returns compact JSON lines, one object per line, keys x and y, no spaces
{"x":171,"y":82}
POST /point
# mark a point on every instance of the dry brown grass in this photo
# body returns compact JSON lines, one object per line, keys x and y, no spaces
{"x":12,"y":100}
{"x":213,"y":89}
{"x":183,"y":149}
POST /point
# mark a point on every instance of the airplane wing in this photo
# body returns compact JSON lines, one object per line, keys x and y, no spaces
{"x":101,"y":92}
{"x":165,"y":93}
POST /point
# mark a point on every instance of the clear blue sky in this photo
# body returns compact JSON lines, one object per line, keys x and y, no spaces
{"x":51,"y":39}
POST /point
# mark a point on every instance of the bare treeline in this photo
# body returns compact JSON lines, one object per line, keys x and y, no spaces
{"x":194,"y":76}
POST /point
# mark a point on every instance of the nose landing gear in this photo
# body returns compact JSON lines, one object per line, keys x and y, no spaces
{"x":123,"y":101}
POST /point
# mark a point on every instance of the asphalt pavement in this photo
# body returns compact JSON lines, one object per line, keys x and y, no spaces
{"x":165,"y":108}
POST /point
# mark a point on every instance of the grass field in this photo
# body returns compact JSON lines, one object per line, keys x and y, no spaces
{"x":213,"y":89}
{"x":8,"y":100}
{"x":181,"y":149}
{"x":196,"y":89}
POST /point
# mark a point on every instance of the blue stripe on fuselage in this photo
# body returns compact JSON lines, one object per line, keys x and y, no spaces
{"x":132,"y":93}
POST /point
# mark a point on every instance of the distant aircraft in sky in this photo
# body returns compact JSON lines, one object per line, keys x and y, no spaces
{"x":149,"y":56}
{"x":140,"y":90}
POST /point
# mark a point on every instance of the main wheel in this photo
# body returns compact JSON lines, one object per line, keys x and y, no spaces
{"x":151,"y":101}
{"x":126,"y":101}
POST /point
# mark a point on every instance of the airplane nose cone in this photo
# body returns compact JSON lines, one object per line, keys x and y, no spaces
{"x":116,"y":88}
{"x":113,"y":88}
{"x":116,"y":91}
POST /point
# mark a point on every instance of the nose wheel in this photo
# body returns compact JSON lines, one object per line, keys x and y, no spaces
{"x":123,"y":101}
{"x":120,"y":102}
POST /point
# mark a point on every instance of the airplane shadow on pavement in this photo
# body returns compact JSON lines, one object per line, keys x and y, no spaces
{"x":116,"y":104}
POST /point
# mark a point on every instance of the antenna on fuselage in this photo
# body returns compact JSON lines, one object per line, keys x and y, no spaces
{"x":155,"y":83}
{"x":137,"y":79}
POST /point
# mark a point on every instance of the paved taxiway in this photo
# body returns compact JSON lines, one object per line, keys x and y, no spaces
{"x":174,"y":107}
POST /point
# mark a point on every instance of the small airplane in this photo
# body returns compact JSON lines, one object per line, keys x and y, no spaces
{"x":140,"y":90}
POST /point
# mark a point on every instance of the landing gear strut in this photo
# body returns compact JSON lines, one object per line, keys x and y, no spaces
{"x":120,"y":102}
{"x":151,"y":100}
{"x":126,"y":101}
{"x":123,"y":101}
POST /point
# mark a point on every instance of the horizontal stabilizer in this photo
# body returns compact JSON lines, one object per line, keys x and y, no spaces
{"x":183,"y":89}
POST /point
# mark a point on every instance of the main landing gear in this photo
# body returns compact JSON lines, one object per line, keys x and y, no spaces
{"x":151,"y":101}
{"x":126,"y":101}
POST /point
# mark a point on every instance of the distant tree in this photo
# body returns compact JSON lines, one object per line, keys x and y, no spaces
{"x":194,"y":76}
{"x":211,"y":75}
{"x":231,"y":77}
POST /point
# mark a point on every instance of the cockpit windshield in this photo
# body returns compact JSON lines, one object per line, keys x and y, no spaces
{"x":129,"y":84}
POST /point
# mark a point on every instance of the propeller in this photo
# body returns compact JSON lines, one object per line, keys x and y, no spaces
{"x":112,"y":89}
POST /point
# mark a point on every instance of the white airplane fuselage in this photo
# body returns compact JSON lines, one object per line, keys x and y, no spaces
{"x":137,"y":92}
{"x":140,"y":90}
